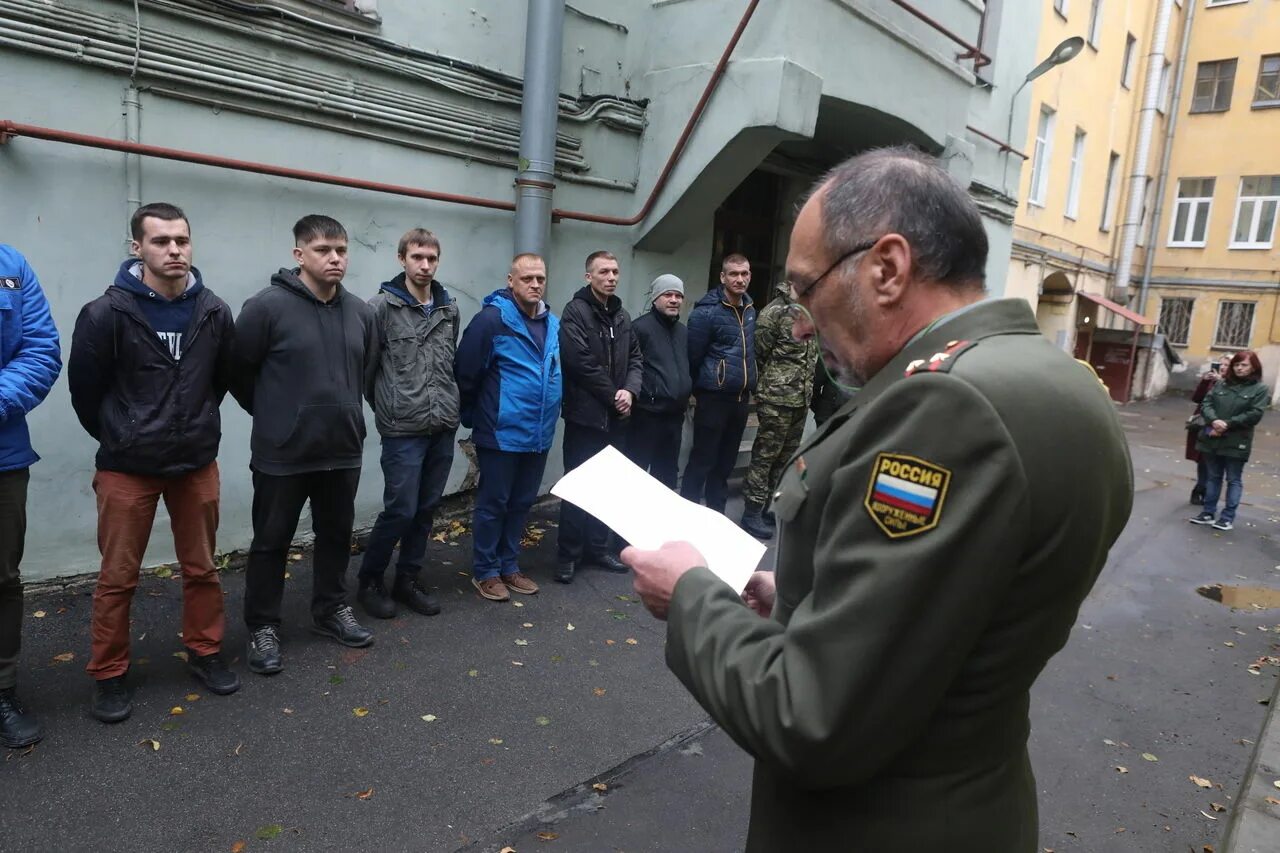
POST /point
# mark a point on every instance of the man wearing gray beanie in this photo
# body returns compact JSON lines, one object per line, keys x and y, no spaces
{"x":657,"y":420}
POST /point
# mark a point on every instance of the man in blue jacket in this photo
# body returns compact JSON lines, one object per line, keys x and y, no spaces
{"x":722,"y":361}
{"x":508,"y":372}
{"x":30,"y":361}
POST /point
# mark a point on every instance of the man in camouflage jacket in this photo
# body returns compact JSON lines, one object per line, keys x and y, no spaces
{"x":785,"y":367}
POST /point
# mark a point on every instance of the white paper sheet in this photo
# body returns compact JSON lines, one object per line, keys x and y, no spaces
{"x":646,"y":513}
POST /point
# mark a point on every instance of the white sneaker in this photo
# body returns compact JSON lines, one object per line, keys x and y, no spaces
{"x":1222,"y":525}
{"x":1202,"y":518}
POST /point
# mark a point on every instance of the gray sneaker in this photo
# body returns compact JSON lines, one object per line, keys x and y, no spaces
{"x":1202,"y":518}
{"x":1222,"y":525}
{"x":264,"y":651}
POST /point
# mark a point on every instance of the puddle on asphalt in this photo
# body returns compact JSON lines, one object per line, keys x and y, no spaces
{"x":1242,"y":597}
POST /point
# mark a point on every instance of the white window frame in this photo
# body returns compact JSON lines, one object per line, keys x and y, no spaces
{"x":1111,"y":192}
{"x":1177,"y":241}
{"x":1095,"y":23}
{"x":1258,"y":201}
{"x":1274,"y":102}
{"x":1209,"y":4}
{"x":1163,"y":103}
{"x":1130,"y":60}
{"x":1187,"y":315}
{"x":1041,"y":157}
{"x":1217,"y":325}
{"x":1077,"y":168}
{"x":1060,"y":6}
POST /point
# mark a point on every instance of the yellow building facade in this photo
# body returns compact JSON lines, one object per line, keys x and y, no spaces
{"x":1150,"y":190}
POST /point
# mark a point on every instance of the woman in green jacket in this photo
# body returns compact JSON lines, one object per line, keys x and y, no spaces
{"x":1231,"y":410}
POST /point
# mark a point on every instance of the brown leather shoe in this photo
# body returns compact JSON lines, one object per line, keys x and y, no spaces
{"x":520,"y":582}
{"x":492,"y":589}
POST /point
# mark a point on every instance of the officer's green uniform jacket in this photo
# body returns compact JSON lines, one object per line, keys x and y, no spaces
{"x":886,"y":701}
{"x":1241,"y":405}
{"x":783,"y":364}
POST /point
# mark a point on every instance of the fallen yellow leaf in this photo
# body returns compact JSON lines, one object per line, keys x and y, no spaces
{"x":176,"y":711}
{"x":182,"y":656}
{"x":364,"y":795}
{"x":65,"y":657}
{"x":631,"y":641}
{"x":193,"y":697}
{"x":429,"y":718}
{"x":569,"y":627}
{"x":496,"y":741}
{"x":527,"y":625}
{"x":507,"y":850}
{"x":1272,"y":800}
{"x":517,"y":604}
{"x":600,"y":786}
{"x":548,"y":836}
{"x":609,"y":642}
{"x":238,"y":847}
{"x":360,"y":712}
{"x":39,"y":614}
{"x":599,"y":691}
{"x":1149,"y":757}
{"x":1203,"y":783}
{"x":1122,"y":769}
{"x":151,"y":742}
{"x":522,"y":642}
{"x":1217,"y":807}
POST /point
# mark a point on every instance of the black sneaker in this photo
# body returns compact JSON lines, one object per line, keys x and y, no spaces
{"x":18,"y":726}
{"x":565,"y":570}
{"x":609,"y":563}
{"x":1222,"y":525}
{"x":213,"y":672}
{"x":112,"y":700}
{"x":410,"y":593}
{"x":342,"y":626}
{"x":1202,"y":518}
{"x":375,"y":601}
{"x":264,"y":651}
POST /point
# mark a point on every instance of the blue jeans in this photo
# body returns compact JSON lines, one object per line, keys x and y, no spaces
{"x":1233,"y":470}
{"x":414,"y":471}
{"x":508,"y":487}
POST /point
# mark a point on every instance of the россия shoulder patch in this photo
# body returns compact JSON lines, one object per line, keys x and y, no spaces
{"x":906,"y":493}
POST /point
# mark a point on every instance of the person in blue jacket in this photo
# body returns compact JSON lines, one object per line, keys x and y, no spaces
{"x":509,"y":382}
{"x":30,"y":361}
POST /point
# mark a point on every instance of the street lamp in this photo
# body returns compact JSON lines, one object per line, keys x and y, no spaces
{"x":1066,"y":51}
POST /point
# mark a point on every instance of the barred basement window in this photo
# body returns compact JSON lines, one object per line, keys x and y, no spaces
{"x":1175,"y":319}
{"x":1235,"y":325}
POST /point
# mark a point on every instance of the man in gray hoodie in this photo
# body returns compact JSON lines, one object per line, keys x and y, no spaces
{"x":305,"y":349}
{"x":415,"y":398}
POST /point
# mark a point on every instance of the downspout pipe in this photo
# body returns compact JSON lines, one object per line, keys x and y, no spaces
{"x":1162,"y":182}
{"x":1132,"y":223}
{"x":539,"y":109}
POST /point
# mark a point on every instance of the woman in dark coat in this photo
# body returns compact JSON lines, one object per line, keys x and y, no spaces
{"x":1231,"y":410}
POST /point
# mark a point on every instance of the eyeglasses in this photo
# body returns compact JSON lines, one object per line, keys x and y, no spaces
{"x":797,"y":294}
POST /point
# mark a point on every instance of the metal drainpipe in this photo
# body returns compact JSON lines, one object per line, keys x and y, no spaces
{"x":1138,"y":177}
{"x":543,"y":42}
{"x":133,"y":162}
{"x":1162,"y":182}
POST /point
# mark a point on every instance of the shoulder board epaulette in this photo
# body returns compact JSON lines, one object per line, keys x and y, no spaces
{"x":940,"y":362}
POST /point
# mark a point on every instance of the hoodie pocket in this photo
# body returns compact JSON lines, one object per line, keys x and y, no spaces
{"x":326,"y":429}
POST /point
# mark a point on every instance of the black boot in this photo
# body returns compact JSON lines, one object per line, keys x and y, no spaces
{"x":769,"y":520}
{"x":213,"y":671}
{"x":753,"y":523}
{"x":565,"y":570}
{"x":18,"y":726}
{"x":410,"y":593}
{"x":374,"y":599}
{"x":112,"y":700}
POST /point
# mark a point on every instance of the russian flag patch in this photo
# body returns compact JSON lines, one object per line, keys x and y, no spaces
{"x":906,"y":494}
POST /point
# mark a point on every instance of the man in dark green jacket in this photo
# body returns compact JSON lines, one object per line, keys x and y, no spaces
{"x":937,"y":537}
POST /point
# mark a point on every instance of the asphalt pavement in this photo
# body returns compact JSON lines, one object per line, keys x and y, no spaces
{"x":555,"y":725}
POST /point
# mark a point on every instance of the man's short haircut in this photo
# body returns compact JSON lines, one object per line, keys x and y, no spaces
{"x":902,"y":190}
{"x":595,"y":256}
{"x":417,"y":237}
{"x":155,"y":210}
{"x":526,"y":256}
{"x":735,"y":258}
{"x":315,"y":226}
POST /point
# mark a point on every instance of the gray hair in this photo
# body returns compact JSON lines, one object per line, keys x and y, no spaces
{"x":902,"y":190}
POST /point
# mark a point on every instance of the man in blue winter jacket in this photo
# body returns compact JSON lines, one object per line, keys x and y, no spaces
{"x":722,"y":361}
{"x":30,"y":361}
{"x":508,"y":372}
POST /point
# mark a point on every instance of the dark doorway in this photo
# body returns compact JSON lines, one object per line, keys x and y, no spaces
{"x":747,"y":222}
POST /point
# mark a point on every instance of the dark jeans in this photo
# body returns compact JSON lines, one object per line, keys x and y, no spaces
{"x":1202,"y":473}
{"x":13,"y":533}
{"x":414,"y":471}
{"x":718,"y":423}
{"x":654,"y":443}
{"x":1233,"y":470}
{"x":508,"y":487}
{"x":582,"y":534}
{"x":277,"y":504}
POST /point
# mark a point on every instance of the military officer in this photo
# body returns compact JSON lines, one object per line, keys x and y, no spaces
{"x":937,"y":536}
{"x":785,"y":367}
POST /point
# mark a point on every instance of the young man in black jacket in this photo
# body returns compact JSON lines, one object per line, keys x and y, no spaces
{"x":150,"y":363}
{"x":657,"y":419}
{"x":305,"y":351}
{"x":601,"y":361}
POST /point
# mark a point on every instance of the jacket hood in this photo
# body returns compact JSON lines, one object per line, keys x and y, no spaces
{"x":129,"y":278}
{"x":288,"y":279}
{"x":440,"y":295}
{"x":501,"y":299}
{"x":716,"y":296}
{"x":610,"y":307}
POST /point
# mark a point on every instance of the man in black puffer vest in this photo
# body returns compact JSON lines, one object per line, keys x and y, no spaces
{"x":601,"y":361}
